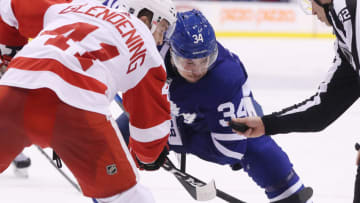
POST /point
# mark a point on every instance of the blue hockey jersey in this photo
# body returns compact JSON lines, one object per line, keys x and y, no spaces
{"x":200,"y":112}
{"x":202,"y":109}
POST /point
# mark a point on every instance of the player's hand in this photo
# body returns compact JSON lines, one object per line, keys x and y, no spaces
{"x":8,"y":52}
{"x":154,"y":165}
{"x":255,"y":124}
{"x":2,"y":61}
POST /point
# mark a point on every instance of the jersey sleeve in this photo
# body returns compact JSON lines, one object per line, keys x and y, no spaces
{"x":20,"y":20}
{"x":334,"y":96}
{"x":26,"y":16}
{"x":149,"y":112}
{"x":11,"y":41}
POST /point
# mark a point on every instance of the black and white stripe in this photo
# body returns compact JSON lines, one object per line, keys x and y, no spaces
{"x":341,"y":87}
{"x":346,"y":27}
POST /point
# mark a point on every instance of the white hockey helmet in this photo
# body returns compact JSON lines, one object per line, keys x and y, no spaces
{"x":161,"y":9}
{"x":117,"y":4}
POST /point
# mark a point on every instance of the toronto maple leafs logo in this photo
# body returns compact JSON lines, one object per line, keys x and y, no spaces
{"x":189,"y":117}
{"x":175,"y":111}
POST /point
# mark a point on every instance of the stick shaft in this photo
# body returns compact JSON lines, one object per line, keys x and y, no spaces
{"x":76,"y":186}
{"x":189,"y":188}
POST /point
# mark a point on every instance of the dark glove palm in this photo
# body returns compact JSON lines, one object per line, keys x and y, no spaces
{"x":156,"y":164}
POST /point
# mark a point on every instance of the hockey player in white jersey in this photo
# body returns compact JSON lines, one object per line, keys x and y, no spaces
{"x":57,"y":90}
{"x":147,"y":11}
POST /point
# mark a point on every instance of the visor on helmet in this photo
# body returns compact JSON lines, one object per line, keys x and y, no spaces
{"x":194,"y":65}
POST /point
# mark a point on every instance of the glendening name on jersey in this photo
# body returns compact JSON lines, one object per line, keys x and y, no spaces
{"x":123,"y":25}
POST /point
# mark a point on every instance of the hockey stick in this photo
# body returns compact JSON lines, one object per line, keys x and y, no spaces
{"x":76,"y":186}
{"x":198,"y":189}
{"x":181,"y":158}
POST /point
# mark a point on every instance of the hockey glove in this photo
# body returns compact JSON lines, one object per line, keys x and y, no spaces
{"x":7,"y":53}
{"x":156,"y":164}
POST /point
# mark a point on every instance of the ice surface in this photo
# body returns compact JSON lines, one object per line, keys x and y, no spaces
{"x":282,"y":72}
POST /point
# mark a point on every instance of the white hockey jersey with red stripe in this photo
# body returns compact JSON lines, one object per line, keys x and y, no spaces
{"x":86,"y":53}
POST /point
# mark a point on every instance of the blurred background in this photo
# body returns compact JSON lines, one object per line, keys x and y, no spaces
{"x":258,"y":18}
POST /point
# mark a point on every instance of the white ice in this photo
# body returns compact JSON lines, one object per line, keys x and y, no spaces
{"x":282,"y":72}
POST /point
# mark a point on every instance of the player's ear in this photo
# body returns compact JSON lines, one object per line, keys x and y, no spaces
{"x":146,"y":20}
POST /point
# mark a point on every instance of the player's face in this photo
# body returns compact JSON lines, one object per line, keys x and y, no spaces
{"x":161,"y":28}
{"x":319,"y":11}
{"x":192,"y":70}
{"x":146,"y":21}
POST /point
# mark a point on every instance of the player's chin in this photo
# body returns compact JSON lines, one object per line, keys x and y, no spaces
{"x":193,"y":79}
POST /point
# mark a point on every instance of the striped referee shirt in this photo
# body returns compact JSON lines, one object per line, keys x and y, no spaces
{"x":339,"y":90}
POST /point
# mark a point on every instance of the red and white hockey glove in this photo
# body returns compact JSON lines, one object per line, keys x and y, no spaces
{"x":4,"y":61}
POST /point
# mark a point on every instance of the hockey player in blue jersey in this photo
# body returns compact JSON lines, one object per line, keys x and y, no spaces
{"x":208,"y":85}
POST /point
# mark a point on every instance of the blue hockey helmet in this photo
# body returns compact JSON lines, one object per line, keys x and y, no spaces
{"x":193,"y":39}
